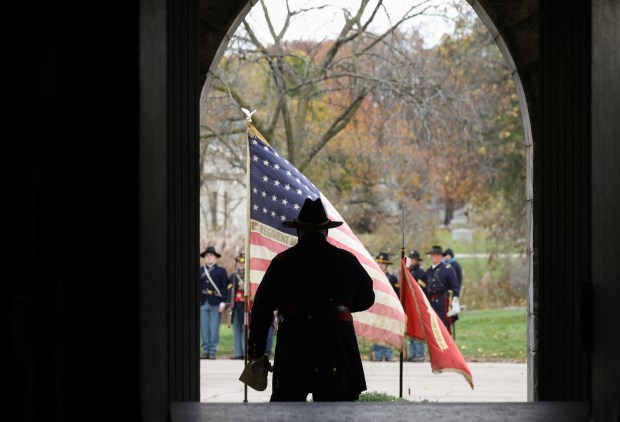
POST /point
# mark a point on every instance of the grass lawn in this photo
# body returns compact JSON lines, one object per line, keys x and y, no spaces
{"x":486,"y":335}
{"x":492,"y":335}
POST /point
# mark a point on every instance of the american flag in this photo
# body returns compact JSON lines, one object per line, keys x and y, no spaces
{"x":277,"y":190}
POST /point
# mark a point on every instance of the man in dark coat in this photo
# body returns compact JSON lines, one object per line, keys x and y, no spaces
{"x":441,"y":286}
{"x":213,"y":297}
{"x":236,"y":296}
{"x":416,"y":347}
{"x":381,"y":352}
{"x":314,"y":286}
{"x":450,"y":259}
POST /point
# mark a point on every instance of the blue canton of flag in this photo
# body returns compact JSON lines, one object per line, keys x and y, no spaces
{"x":278,"y":190}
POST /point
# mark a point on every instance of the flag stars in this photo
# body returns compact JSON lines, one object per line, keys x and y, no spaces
{"x":273,"y":214}
{"x":265,"y":162}
{"x":283,"y":217}
{"x":284,"y":201}
{"x":296,"y":206}
{"x":255,"y":207}
{"x":266,"y":148}
{"x":255,"y":157}
{"x":288,"y":173}
{"x":276,"y":182}
{"x":264,"y":210}
{"x":274,"y":198}
{"x":298,"y":180}
{"x":276,"y":166}
{"x":254,"y":142}
{"x":255,"y":190}
{"x":264,"y":194}
{"x":265,"y":179}
{"x":287,"y":187}
{"x":299,"y":192}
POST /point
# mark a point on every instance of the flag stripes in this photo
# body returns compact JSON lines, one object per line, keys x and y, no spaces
{"x":276,"y":192}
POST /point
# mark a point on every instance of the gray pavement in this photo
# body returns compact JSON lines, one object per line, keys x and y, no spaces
{"x":493,"y":382}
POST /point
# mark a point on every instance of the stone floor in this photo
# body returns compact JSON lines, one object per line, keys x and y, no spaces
{"x":500,"y":394}
{"x":380,"y":412}
{"x":493,"y":382}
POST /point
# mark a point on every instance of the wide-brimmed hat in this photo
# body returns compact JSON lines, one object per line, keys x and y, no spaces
{"x":312,"y":216}
{"x":255,"y":373}
{"x":415,"y":255}
{"x":210,"y":249}
{"x":240,"y":257}
{"x":448,"y":252}
{"x":436,"y":250}
{"x":383,"y":258}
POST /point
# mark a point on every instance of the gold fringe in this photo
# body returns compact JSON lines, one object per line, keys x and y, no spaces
{"x":468,"y":378}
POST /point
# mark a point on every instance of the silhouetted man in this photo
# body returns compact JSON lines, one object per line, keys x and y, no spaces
{"x":314,"y":286}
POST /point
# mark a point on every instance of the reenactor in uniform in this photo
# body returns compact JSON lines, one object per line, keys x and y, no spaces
{"x":381,"y":352}
{"x":315,"y":287}
{"x":236,"y":285}
{"x":416,"y":347}
{"x":442,"y":287}
{"x":213,"y":297}
{"x":449,"y":258}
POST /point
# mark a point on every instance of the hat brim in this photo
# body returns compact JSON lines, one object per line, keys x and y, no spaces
{"x":295,"y":223}
{"x":202,"y":255}
{"x":383,"y":261}
{"x":434,"y":252}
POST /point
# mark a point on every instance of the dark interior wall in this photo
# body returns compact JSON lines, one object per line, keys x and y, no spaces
{"x":182,"y":224}
{"x":99,"y":189}
{"x":605,"y":208}
{"x":101,"y":185}
{"x":155,"y":333}
{"x":71,"y":186}
{"x":562,"y":190}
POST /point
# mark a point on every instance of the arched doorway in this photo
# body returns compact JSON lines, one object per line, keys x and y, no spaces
{"x":521,"y":64}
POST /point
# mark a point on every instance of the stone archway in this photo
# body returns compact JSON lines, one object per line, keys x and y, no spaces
{"x":515,"y":31}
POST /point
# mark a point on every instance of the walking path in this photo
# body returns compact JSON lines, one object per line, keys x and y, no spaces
{"x":493,"y":382}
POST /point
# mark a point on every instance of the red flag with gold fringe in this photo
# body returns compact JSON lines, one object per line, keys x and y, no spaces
{"x":424,"y":325}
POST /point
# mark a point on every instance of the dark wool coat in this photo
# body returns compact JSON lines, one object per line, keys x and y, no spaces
{"x":441,"y":285}
{"x":316,"y":349}
{"x":208,"y":293}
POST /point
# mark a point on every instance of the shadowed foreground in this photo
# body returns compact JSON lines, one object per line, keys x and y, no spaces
{"x":359,"y":412}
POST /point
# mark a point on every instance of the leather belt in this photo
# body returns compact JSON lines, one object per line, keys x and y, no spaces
{"x":337,"y":312}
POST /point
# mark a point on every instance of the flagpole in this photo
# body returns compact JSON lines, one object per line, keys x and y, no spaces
{"x":402,"y":256}
{"x":246,"y":290}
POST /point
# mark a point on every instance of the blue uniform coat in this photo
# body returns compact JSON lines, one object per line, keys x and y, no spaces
{"x":208,"y":293}
{"x":440,"y":282}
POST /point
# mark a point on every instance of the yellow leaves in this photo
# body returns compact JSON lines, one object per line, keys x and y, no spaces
{"x":482,"y":150}
{"x":504,"y":134}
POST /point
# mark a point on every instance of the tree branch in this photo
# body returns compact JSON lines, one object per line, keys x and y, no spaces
{"x":340,"y":123}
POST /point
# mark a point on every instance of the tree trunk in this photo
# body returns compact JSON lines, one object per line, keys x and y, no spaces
{"x":213,"y":206}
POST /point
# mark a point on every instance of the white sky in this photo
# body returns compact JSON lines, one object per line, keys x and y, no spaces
{"x":325,"y":23}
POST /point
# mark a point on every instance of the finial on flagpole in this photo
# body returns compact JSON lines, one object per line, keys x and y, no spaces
{"x":248,"y":114}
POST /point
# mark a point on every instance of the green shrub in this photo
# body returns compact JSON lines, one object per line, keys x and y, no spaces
{"x":376,"y":396}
